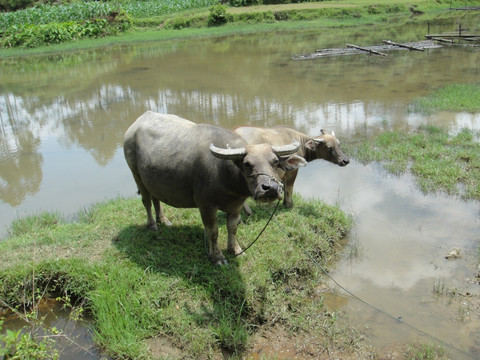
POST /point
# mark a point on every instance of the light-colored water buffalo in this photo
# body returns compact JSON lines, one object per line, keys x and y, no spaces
{"x":188,"y":165}
{"x":324,"y":146}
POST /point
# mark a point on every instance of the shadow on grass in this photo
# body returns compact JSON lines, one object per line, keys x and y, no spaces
{"x":180,"y":251}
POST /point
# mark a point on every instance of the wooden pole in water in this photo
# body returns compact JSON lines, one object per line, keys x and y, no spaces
{"x":366,"y":49}
{"x":402,"y":45}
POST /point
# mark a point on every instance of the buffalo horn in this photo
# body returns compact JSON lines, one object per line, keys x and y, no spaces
{"x":228,"y":154}
{"x":288,"y":149}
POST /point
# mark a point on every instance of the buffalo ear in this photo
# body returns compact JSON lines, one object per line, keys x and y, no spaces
{"x":292,"y":162}
{"x":311,"y":145}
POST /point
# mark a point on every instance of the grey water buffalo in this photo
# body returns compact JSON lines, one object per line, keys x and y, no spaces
{"x":324,"y":146}
{"x":189,"y":165}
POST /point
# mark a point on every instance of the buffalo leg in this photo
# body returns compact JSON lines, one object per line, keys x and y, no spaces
{"x":233,"y":220}
{"x":289,"y":180}
{"x":247,"y":209}
{"x":147,"y":202}
{"x":209,"y":219}
{"x":159,"y":215}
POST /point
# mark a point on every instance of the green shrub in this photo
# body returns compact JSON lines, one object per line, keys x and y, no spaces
{"x":54,"y":33}
{"x":13,"y":5}
{"x":240,"y":3}
{"x":150,"y":8}
{"x":255,"y":17}
{"x":45,"y":14}
{"x":272,"y":2}
{"x":218,"y":15}
{"x":177,"y":23}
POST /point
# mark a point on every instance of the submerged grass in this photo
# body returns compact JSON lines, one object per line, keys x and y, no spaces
{"x":419,"y":351}
{"x":455,"y":97}
{"x":439,"y":161}
{"x":139,"y":284}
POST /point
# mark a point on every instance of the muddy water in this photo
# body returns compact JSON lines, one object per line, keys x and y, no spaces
{"x":74,"y":338}
{"x":63,"y":118}
{"x":396,"y":258}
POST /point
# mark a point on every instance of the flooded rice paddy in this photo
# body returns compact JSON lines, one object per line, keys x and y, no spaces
{"x":63,"y":117}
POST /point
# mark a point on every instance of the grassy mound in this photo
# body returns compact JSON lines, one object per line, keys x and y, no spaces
{"x":140,"y":285}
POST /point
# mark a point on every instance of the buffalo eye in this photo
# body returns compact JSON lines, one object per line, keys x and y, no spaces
{"x":247,"y":165}
{"x":276,"y":162}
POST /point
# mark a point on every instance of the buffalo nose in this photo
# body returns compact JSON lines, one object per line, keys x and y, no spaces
{"x":345,"y":162}
{"x":271,"y":186}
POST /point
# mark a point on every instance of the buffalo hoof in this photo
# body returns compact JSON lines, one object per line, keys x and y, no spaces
{"x":237,"y":251}
{"x":165,"y":221}
{"x":152,"y":227}
{"x":220,"y":262}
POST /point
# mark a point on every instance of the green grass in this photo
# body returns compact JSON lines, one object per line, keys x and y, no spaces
{"x":419,"y":351}
{"x":76,"y":11}
{"x":195,"y":14}
{"x":455,"y":97}
{"x":439,"y":161}
{"x":138,"y":284}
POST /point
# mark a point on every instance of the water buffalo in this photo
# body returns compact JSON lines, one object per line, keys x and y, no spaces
{"x":189,"y":165}
{"x":324,"y":146}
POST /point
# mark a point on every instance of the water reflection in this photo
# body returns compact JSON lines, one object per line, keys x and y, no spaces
{"x":403,"y":237}
{"x":20,"y":160}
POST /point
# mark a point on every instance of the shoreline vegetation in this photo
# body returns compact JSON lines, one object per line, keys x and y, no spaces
{"x":142,"y":288}
{"x":440,"y":162}
{"x":48,"y":28}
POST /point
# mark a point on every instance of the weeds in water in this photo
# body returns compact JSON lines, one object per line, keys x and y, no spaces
{"x":439,"y":287}
{"x":20,"y":345}
{"x":455,"y":97}
{"x":439,"y":161}
{"x":463,"y":312}
{"x":425,"y":352}
{"x":35,"y":340}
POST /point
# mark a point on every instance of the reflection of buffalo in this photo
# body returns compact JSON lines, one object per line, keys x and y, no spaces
{"x":324,"y":146}
{"x":190,"y":165}
{"x":20,"y":168}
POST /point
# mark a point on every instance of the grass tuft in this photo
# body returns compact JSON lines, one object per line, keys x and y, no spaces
{"x":419,"y":351}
